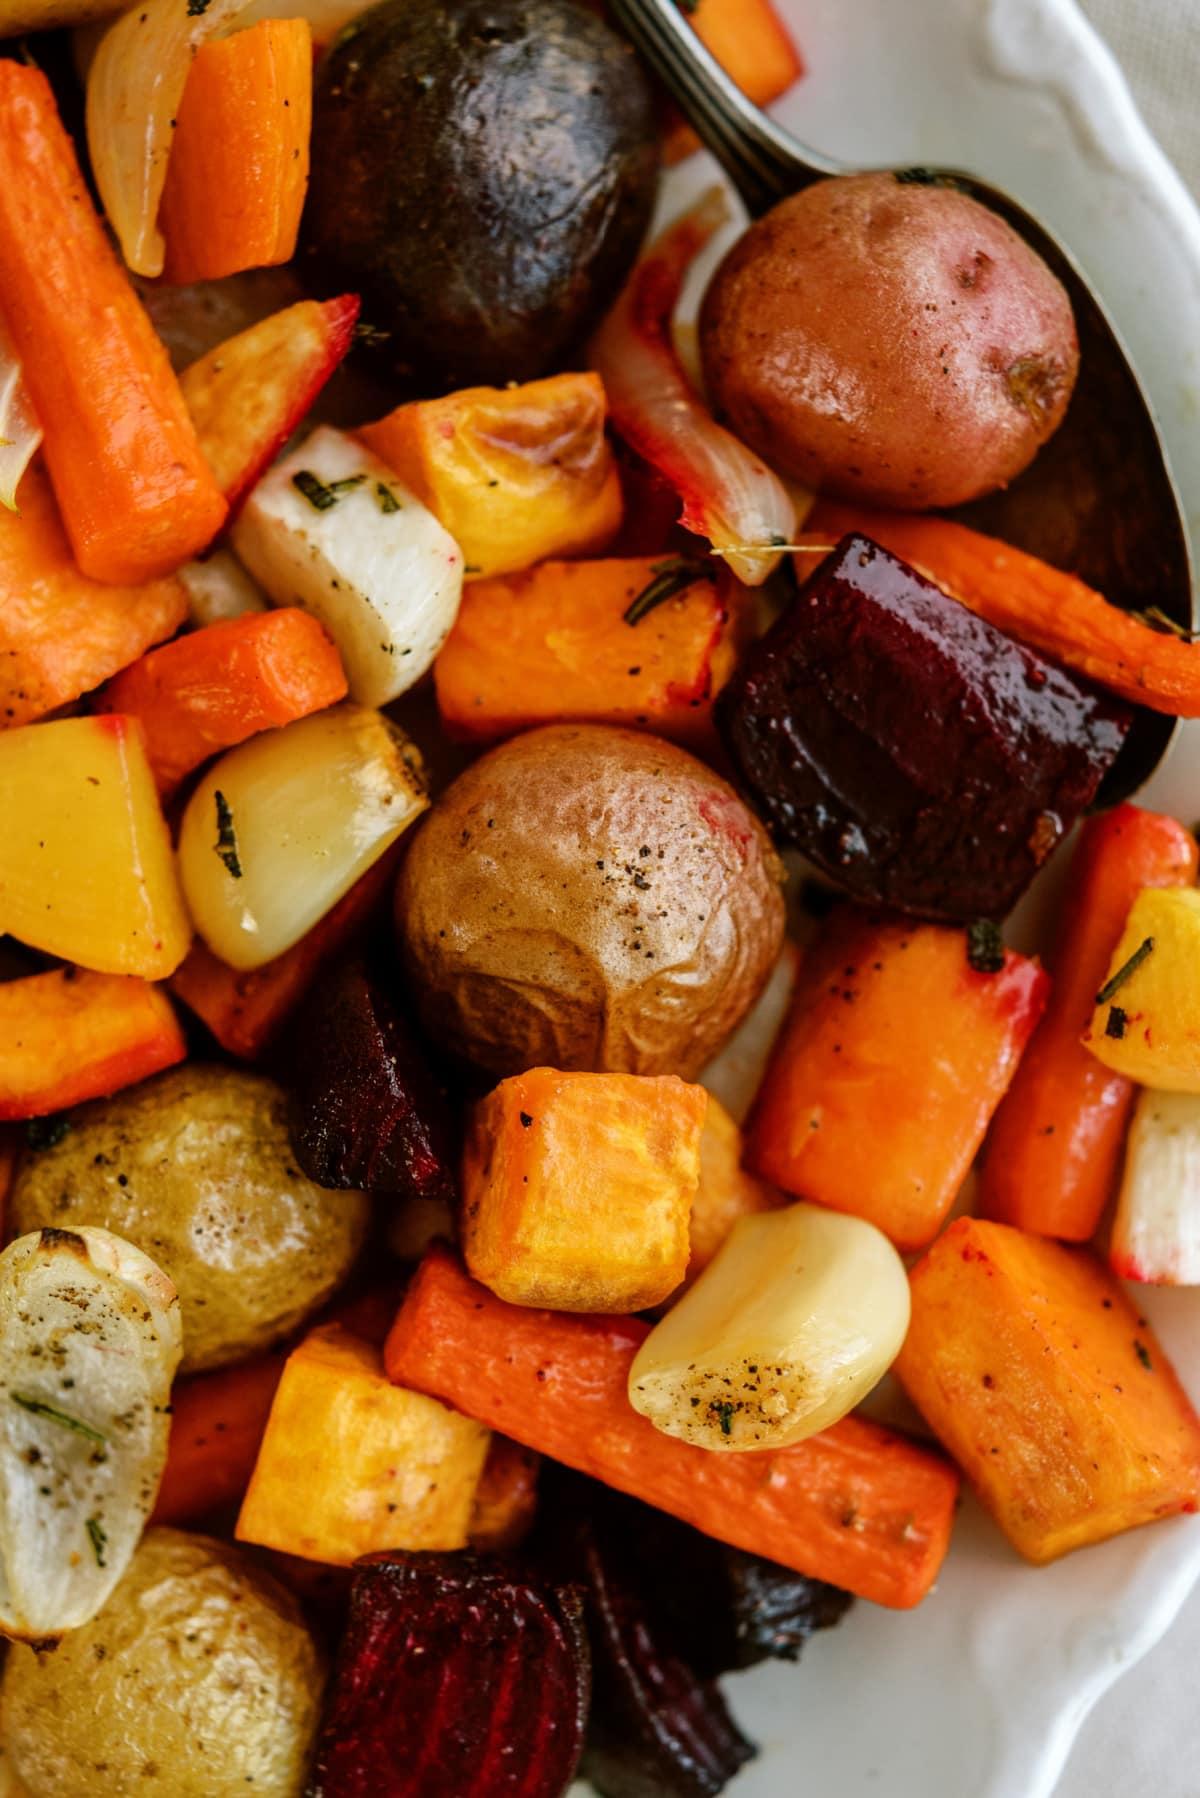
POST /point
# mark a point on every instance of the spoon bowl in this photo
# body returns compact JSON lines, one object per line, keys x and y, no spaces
{"x":1099,"y":500}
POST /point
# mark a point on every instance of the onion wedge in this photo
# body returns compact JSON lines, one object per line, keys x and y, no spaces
{"x":20,"y":432}
{"x":89,"y":1342}
{"x":134,"y":87}
{"x":729,"y":495}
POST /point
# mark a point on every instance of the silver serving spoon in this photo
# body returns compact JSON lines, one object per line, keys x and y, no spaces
{"x":1100,"y":499}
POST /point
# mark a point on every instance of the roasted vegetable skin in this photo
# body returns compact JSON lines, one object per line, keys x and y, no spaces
{"x":366,"y":1109}
{"x":457,"y":1675}
{"x":923,"y":759}
{"x":482,"y":173}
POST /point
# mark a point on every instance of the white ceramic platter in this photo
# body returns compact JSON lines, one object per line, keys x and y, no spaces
{"x":979,"y":1693}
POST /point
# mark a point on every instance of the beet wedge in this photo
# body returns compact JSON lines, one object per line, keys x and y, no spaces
{"x":921,"y":757}
{"x":458,"y":1677}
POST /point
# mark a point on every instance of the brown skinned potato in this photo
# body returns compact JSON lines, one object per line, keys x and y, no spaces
{"x":196,"y":1169}
{"x":889,"y":341}
{"x":589,"y":898}
{"x":198,"y":1679}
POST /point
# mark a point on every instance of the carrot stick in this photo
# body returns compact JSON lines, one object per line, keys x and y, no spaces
{"x":70,"y":1035}
{"x":137,"y":498}
{"x":1043,"y":606}
{"x":244,"y":1010}
{"x":857,"y":1505}
{"x":1055,"y":1144}
{"x":62,"y":634}
{"x":238,"y":169}
{"x":218,"y":686}
{"x":217,"y":1424}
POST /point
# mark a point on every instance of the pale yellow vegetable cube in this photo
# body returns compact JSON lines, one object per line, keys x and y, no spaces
{"x":1146,"y":1024}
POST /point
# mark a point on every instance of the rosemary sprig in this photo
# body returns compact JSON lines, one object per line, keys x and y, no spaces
{"x":1123,"y":973}
{"x":39,"y":1408}
{"x":671,"y":577}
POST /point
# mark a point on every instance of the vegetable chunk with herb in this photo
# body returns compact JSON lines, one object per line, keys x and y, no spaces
{"x":1146,"y":1024}
{"x":898,"y":1048}
{"x":1033,"y":1368}
{"x":577,"y":1187}
{"x":516,"y":474}
{"x":331,"y":528}
{"x":570,"y":641}
{"x":351,"y":1464}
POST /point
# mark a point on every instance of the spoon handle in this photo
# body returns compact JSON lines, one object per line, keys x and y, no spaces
{"x":763,"y":161}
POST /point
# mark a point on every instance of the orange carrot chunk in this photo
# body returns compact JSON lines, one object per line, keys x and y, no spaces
{"x":886,"y":1074}
{"x":246,"y":1009}
{"x":238,"y":168}
{"x":1030,"y":1364}
{"x":858,"y":1505}
{"x":751,"y":43}
{"x":1043,"y":606}
{"x":71,"y":1035}
{"x":555,"y":644}
{"x":61,"y":633}
{"x":1054,"y":1150}
{"x":136,"y":495}
{"x":216,"y":687}
{"x":217,"y":1424}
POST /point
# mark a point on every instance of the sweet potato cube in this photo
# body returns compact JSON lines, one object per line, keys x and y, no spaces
{"x":894,"y":1057}
{"x":577,"y":1188}
{"x":1030,"y":1364}
{"x":350,"y":1463}
{"x":1146,"y":1024}
{"x":726,"y":1191}
{"x":516,"y":474}
{"x":70,"y":1035}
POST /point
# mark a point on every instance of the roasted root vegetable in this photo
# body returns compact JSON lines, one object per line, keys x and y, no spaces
{"x":797,"y":1317}
{"x":728,"y":494}
{"x":195,"y":1167}
{"x":61,"y":634}
{"x":736,"y":1072}
{"x":863,"y":1109}
{"x":859,"y":1505}
{"x":215,"y":687}
{"x":86,"y":870}
{"x":1054,"y":1148}
{"x":1156,"y":1231}
{"x":506,"y":1497}
{"x":1053,"y":611}
{"x":332,"y":529}
{"x":218,"y":588}
{"x":576,"y":1188}
{"x":351,"y":1463}
{"x":238,"y":168}
{"x":1029,"y":1363}
{"x":752,"y":45}
{"x":20,"y":431}
{"x":367,"y":1110}
{"x":346,"y":781}
{"x":246,"y":1008}
{"x":457,"y":1674}
{"x":198,"y":1677}
{"x":89,"y":1344}
{"x":217,"y":1424}
{"x":70,"y":1035}
{"x":830,"y":721}
{"x":566,"y":641}
{"x":655,"y":885}
{"x":726,"y":1192}
{"x":20,"y":16}
{"x":1146,"y":1022}
{"x":248,"y":395}
{"x":136,"y":495}
{"x":516,"y":474}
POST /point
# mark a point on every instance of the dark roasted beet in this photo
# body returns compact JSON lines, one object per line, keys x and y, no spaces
{"x":919,"y":755}
{"x":657,"y":1730}
{"x":457,"y":1678}
{"x":366,"y":1110}
{"x":773,"y":1611}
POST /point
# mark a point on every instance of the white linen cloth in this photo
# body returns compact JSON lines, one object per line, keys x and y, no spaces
{"x":1143,"y":1738}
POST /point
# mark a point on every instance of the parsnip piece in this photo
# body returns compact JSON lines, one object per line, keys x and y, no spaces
{"x":90,"y":1338}
{"x":218,"y":588}
{"x":799,"y":1314}
{"x":330,"y":528}
{"x":1156,"y":1232}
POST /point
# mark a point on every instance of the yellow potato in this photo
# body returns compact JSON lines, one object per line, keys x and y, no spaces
{"x":1148,"y":1026}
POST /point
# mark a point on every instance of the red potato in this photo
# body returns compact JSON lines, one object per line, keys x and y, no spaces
{"x":890,"y":341}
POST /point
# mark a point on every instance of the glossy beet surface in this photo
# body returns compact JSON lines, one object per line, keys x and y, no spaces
{"x":457,"y":1678}
{"x":924,"y":759}
{"x":366,"y":1111}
